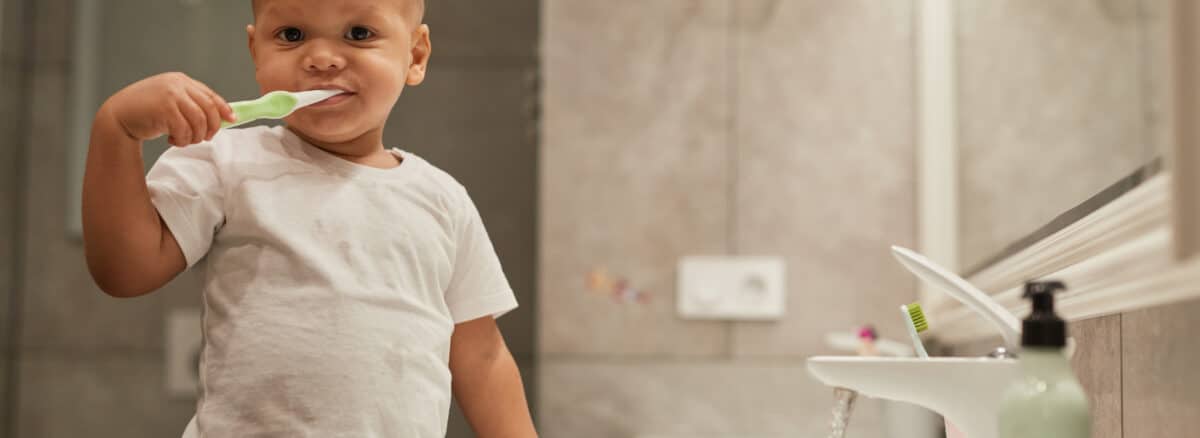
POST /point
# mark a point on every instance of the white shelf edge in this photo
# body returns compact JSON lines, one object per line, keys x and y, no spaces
{"x":1117,"y":259}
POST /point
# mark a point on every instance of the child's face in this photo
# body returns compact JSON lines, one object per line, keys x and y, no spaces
{"x":369,"y":48}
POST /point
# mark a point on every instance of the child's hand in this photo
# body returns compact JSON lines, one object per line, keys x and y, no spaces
{"x":170,"y":103}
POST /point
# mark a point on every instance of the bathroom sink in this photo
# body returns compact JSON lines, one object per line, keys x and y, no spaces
{"x":967,"y":391}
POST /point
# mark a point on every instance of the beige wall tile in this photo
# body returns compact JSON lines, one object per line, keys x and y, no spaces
{"x":1161,"y":390}
{"x":1158,"y":74}
{"x":115,"y":395}
{"x":825,"y":163}
{"x":1052,"y":101}
{"x":1097,"y":363}
{"x":698,"y":399}
{"x":633,"y":169}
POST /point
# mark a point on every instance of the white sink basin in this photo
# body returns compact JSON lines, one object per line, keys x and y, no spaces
{"x":967,"y":391}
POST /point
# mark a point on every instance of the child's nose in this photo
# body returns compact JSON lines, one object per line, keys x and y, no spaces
{"x":321,"y":58}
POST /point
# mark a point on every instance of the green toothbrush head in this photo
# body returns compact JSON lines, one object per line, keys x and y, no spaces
{"x":917,"y":316}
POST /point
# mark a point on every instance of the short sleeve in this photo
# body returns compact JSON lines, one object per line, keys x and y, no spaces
{"x":478,"y":286}
{"x":185,"y":188}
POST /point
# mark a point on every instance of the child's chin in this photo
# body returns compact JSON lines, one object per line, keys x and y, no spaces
{"x":327,"y":132}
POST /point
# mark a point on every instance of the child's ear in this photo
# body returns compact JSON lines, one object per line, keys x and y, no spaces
{"x":421,"y":50}
{"x":250,"y":43}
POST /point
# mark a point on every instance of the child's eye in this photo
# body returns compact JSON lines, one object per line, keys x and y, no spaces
{"x":359,"y":33}
{"x":290,"y":34}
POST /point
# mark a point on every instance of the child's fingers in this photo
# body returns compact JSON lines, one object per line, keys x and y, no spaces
{"x":226,"y":109}
{"x":222,"y":105}
{"x":178,"y":131}
{"x":195,"y":120}
{"x":212,"y":115}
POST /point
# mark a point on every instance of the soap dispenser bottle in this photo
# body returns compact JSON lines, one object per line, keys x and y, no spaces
{"x":1045,"y":400}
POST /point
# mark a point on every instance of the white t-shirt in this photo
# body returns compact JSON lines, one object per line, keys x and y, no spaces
{"x":331,"y":289}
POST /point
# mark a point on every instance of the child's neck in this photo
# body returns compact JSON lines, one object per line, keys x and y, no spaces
{"x":367,"y":149}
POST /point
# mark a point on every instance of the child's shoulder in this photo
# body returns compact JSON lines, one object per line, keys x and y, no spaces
{"x":435,"y":177}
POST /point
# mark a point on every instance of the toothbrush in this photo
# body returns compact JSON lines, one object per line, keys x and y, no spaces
{"x":276,"y":105}
{"x":914,"y":321}
{"x":965,"y":292}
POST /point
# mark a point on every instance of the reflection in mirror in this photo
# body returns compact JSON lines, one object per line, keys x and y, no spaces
{"x":1057,"y":101}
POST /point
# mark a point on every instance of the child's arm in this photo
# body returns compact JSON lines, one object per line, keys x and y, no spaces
{"x":129,"y":250}
{"x":487,"y":383}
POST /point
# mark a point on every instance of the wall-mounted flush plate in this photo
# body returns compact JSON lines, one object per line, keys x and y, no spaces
{"x":183,"y":340}
{"x":731,"y":288}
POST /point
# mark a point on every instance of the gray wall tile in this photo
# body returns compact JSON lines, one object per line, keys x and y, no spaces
{"x":206,"y":40}
{"x":211,"y":45}
{"x":124,"y":45}
{"x":637,"y":399}
{"x":458,"y":427}
{"x":634,"y":173}
{"x":111,"y":395}
{"x":1097,"y":363}
{"x":825,"y":163}
{"x":52,"y":39}
{"x":184,"y":292}
{"x":12,"y":30}
{"x":1159,"y":353}
{"x":11,"y":129}
{"x":502,"y":32}
{"x":5,"y":363}
{"x":62,"y":306}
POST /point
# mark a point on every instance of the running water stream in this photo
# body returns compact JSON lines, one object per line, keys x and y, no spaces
{"x":843,"y":406}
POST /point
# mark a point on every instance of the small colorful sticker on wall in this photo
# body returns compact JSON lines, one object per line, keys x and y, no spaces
{"x":617,"y":288}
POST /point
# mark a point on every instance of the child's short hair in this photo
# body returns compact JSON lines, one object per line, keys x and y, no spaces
{"x":420,"y":4}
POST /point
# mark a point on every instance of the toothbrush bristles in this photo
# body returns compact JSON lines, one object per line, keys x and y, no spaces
{"x":918,"y":317}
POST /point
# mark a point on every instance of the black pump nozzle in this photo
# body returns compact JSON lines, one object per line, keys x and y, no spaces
{"x":1043,"y":328}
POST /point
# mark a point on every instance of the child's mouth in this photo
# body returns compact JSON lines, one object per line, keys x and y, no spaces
{"x":333,"y":100}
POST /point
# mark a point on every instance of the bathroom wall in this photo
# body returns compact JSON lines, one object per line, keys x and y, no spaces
{"x":1138,"y":369}
{"x":91,"y":365}
{"x":751,"y":127}
{"x":1059,"y":98}
{"x":12,"y":73}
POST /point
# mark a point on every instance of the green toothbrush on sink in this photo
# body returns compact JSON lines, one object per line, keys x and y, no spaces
{"x":914,"y":320}
{"x":276,"y":105}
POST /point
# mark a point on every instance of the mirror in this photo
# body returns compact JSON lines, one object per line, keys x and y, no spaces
{"x":1057,"y":101}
